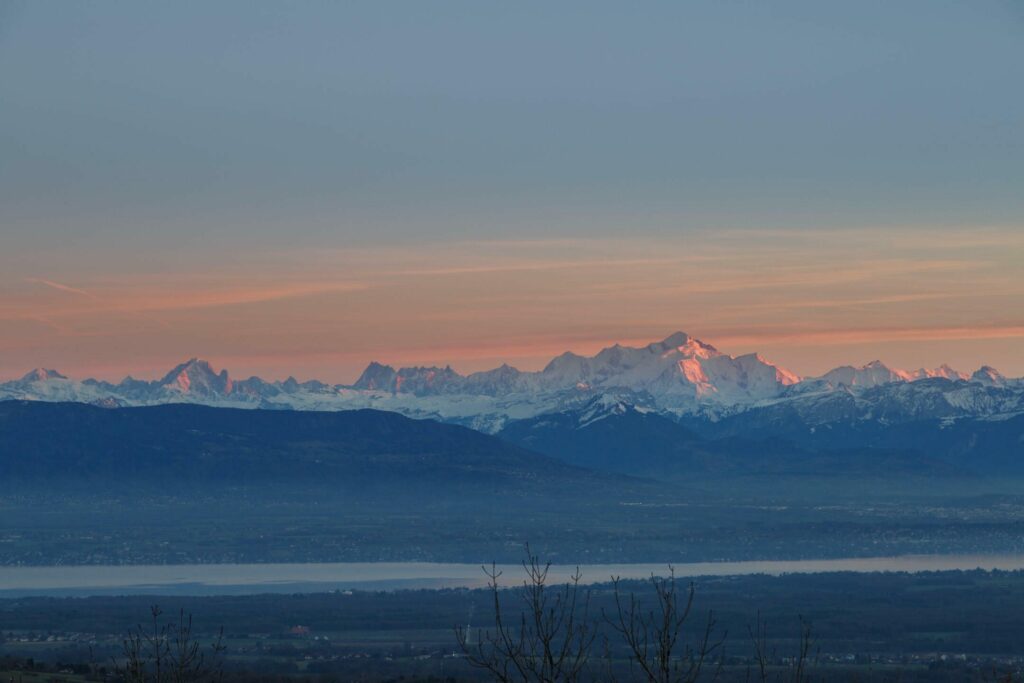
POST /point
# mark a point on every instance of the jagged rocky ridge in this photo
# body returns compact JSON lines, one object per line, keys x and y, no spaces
{"x":680,"y":377}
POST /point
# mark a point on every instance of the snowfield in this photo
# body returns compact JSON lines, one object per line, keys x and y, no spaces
{"x":678,"y":376}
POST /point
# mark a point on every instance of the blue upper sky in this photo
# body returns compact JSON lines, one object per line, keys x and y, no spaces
{"x":380,"y":120}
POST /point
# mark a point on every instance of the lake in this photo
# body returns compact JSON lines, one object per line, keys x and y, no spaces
{"x":238,"y":579}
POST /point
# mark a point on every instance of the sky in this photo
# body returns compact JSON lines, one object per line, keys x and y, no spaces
{"x":299,"y":189}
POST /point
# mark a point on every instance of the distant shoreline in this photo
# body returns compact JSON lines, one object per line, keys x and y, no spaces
{"x":247,"y":579}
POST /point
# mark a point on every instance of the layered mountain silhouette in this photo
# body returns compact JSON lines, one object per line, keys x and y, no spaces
{"x":660,"y":408}
{"x":678,"y":376}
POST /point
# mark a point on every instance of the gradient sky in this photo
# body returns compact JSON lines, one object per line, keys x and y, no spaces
{"x":303,"y":188}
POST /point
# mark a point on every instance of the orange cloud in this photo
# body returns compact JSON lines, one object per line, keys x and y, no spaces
{"x":58,"y":286}
{"x":861,"y":335}
{"x":477,"y":303}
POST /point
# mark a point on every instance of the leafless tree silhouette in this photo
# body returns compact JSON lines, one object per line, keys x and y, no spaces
{"x":656,"y":638}
{"x":549,"y":642}
{"x":169,"y":653}
{"x":796,"y":668}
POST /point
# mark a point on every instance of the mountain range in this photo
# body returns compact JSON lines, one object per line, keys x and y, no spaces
{"x":679,"y":377}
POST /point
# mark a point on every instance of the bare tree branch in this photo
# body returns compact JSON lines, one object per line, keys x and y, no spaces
{"x":656,"y":639}
{"x":553,"y":638}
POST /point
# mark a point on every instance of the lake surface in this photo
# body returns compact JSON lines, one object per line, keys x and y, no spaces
{"x":239,"y":579}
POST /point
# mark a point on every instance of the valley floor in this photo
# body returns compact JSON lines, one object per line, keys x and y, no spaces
{"x":869,"y":627}
{"x":963,"y":625}
{"x":696,"y":521}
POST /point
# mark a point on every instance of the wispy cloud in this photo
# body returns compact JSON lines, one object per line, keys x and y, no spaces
{"x":149,"y":297}
{"x":470,"y":302}
{"x":170,"y":300}
{"x":541,"y":266}
{"x":876,"y":335}
{"x":60,"y":287}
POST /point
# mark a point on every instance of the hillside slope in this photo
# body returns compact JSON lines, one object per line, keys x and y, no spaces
{"x":171,"y":444}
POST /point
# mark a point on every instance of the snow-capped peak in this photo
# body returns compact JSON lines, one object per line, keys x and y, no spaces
{"x":196,"y":376}
{"x":871,"y":374}
{"x":988,"y":375}
{"x":41,"y":375}
{"x":565,"y":367}
{"x":376,"y":376}
{"x":695,"y":348}
{"x":943,"y":371}
{"x":679,"y":366}
{"x":675,"y":340}
{"x":877,"y":373}
{"x":679,"y":375}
